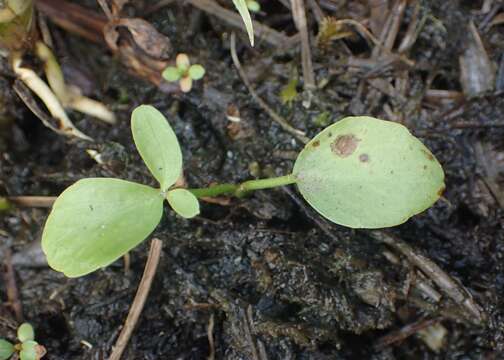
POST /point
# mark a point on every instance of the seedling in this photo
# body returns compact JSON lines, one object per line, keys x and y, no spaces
{"x":27,"y":348}
{"x":359,"y":172}
{"x":243,"y":8}
{"x":184,"y":72}
{"x":253,"y":6}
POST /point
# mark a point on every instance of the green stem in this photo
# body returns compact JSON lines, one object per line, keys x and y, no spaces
{"x":240,"y":190}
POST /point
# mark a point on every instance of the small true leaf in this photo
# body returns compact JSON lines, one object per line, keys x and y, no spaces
{"x":196,"y":72}
{"x":25,"y":332}
{"x":183,"y":202}
{"x":171,"y":73}
{"x":95,"y":221}
{"x":363,"y":172}
{"x":183,"y":62}
{"x":157,"y":144}
{"x":253,"y":6}
{"x":6,"y":349}
{"x":29,"y":350}
{"x":241,"y":6}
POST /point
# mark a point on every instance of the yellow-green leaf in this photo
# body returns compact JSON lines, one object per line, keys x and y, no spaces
{"x":183,"y":202}
{"x":364,"y":172}
{"x":25,"y":332}
{"x":241,"y":6}
{"x":6,"y":349}
{"x":157,"y":144}
{"x":96,"y":221}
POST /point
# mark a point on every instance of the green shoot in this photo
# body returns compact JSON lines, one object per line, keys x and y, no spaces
{"x":253,"y":6}
{"x":359,"y":172}
{"x":27,"y":348}
{"x":184,"y":72}
{"x":243,"y":9}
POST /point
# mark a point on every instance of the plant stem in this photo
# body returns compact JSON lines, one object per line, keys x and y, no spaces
{"x":240,"y":190}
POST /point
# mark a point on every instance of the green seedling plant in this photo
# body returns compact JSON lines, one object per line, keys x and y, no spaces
{"x":359,"y":172}
{"x":184,"y":72}
{"x":26,"y":348}
{"x":243,"y":7}
{"x":253,"y":6}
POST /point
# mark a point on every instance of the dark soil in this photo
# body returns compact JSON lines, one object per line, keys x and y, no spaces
{"x":264,"y":268}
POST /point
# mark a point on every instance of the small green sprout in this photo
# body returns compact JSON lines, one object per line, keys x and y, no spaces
{"x":27,"y":348}
{"x":243,"y":8}
{"x":359,"y":172}
{"x":184,"y":72}
{"x":253,"y":6}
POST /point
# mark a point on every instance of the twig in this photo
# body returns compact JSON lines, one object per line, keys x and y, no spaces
{"x":32,"y":201}
{"x":448,"y":286}
{"x":11,"y":287}
{"x":211,"y":343}
{"x":270,"y":35}
{"x":139,"y":301}
{"x":404,"y":332}
{"x":299,"y":15}
{"x":277,"y":118}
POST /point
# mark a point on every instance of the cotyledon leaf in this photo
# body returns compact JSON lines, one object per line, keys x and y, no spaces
{"x":157,"y":144}
{"x":241,"y":6}
{"x":363,"y":172}
{"x":183,"y":202}
{"x":95,"y":221}
{"x":6,"y":349}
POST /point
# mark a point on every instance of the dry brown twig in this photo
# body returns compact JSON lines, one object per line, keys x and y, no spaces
{"x":139,"y":301}
{"x":274,"y":116}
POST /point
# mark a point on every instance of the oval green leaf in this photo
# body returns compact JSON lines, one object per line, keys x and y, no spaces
{"x":157,"y":144}
{"x":6,"y":349}
{"x":28,"y":350}
{"x":96,"y":221}
{"x":241,"y":6}
{"x":183,"y":202}
{"x":25,"y":332}
{"x":196,"y":71}
{"x":171,"y":73}
{"x":363,"y":172}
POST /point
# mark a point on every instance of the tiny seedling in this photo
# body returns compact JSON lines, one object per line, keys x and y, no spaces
{"x":184,"y":72}
{"x":26,"y":349}
{"x":253,"y":6}
{"x":359,"y":172}
{"x":243,"y":8}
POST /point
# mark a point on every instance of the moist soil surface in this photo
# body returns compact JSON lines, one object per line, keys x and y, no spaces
{"x":265,"y":275}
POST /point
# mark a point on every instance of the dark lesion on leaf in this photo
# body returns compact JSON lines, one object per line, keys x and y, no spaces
{"x":441,"y":191}
{"x":364,"y":158}
{"x":316,"y":143}
{"x":344,"y":145}
{"x":428,"y":155}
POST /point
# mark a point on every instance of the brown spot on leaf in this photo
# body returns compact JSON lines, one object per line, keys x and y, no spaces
{"x":329,"y":134}
{"x":441,"y":191}
{"x":344,"y":145}
{"x":425,"y":167}
{"x":428,"y":155}
{"x":316,"y":143}
{"x":364,"y":157}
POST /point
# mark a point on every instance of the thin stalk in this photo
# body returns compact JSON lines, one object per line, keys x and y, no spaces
{"x":240,"y":190}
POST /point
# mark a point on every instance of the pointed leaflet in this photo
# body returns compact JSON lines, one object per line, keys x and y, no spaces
{"x":241,"y":6}
{"x":363,"y":172}
{"x":157,"y":144}
{"x":183,"y":202}
{"x":95,"y":221}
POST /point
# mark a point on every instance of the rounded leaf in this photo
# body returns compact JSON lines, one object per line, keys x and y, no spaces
{"x":29,"y":350}
{"x":157,"y":144}
{"x":171,"y":73}
{"x":25,"y":332}
{"x":96,"y":221}
{"x":196,"y":72}
{"x":183,"y":62}
{"x":183,"y":202}
{"x":363,"y":172}
{"x":6,"y":349}
{"x":253,"y":6}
